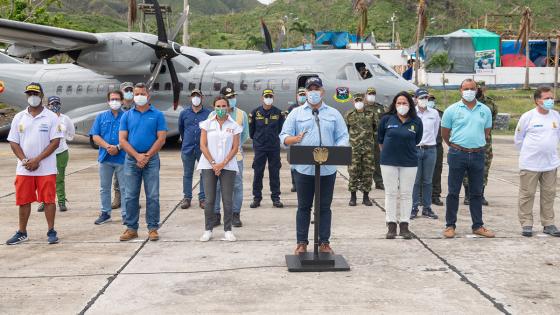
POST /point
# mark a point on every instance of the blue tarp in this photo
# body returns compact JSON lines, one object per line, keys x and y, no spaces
{"x":537,"y":50}
{"x":299,"y":48}
{"x":338,"y":40}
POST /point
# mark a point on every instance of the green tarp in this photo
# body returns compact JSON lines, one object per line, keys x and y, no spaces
{"x":485,"y":40}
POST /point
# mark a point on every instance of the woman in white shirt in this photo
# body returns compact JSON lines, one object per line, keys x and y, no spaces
{"x":219,"y":143}
{"x":67,"y":127}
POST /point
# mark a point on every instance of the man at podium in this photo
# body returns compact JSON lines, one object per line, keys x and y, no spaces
{"x":314,"y":124}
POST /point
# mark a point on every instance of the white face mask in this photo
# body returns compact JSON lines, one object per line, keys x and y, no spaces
{"x":469,"y":95}
{"x":422,"y":103}
{"x":268,"y":101}
{"x":34,"y":100}
{"x":359,"y":105}
{"x":432,"y":104}
{"x":115,"y":105}
{"x":196,"y":101}
{"x":314,"y":97}
{"x":371,"y":98}
{"x":141,"y":100}
{"x":402,"y":109}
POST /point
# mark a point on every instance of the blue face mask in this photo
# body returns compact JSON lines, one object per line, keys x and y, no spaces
{"x":232,"y":102}
{"x":431,"y":104}
{"x":128,"y":96}
{"x":314,"y":97}
{"x":302,"y":99}
{"x":548,"y":104}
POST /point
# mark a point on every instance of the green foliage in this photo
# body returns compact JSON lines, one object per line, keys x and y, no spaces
{"x":440,"y":63}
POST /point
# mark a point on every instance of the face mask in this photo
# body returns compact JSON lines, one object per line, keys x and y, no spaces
{"x":128,"y":96}
{"x":371,"y":98}
{"x":314,"y":97}
{"x":359,"y":105}
{"x":302,"y":99}
{"x":268,"y":101}
{"x":221,"y":112}
{"x":232,"y":102}
{"x":469,"y":95}
{"x":196,"y":101}
{"x":141,"y":100}
{"x":548,"y":104}
{"x":115,"y":105}
{"x":55,"y":108}
{"x":423,"y":103}
{"x":34,"y":100}
{"x":402,"y":109}
{"x":431,"y":104}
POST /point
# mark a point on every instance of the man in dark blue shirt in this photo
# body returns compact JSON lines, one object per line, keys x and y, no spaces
{"x":142,"y":134}
{"x":105,"y":133}
{"x":189,"y":130}
{"x":265,"y":124}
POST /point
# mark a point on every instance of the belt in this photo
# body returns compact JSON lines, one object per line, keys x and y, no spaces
{"x":467,"y":150}
{"x":426,"y":146}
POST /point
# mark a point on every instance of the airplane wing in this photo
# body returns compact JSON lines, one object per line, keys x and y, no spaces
{"x":26,"y":37}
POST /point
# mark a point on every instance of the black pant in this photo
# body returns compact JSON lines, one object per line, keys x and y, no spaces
{"x":436,"y":179}
{"x":274,"y":165}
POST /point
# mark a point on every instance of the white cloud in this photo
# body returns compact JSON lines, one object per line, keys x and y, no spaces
{"x":266,"y":1}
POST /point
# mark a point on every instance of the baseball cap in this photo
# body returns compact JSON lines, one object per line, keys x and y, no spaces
{"x":268,"y":92}
{"x":126,"y":85}
{"x":196,"y":91}
{"x":313,"y":81}
{"x":227,"y":91}
{"x":52,"y":100}
{"x":34,"y":87}
{"x":421,"y":93}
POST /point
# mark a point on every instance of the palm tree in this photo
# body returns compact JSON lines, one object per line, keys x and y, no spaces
{"x":304,"y":29}
{"x":441,"y":62}
{"x":131,"y":14}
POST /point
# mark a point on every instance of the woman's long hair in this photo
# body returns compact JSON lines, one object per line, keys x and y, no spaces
{"x":412,"y":107}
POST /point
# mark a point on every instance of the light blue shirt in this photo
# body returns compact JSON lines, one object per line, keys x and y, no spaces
{"x":467,"y":126}
{"x":333,"y":132}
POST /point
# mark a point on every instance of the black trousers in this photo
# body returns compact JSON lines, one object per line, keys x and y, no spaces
{"x":436,"y":179}
{"x":274,"y":165}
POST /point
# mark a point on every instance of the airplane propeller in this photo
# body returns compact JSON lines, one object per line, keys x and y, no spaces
{"x":166,"y":50}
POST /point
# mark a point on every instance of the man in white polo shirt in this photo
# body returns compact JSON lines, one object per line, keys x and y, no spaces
{"x":537,"y":136}
{"x":34,"y":136}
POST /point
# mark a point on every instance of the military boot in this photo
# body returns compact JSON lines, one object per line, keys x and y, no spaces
{"x":484,"y":201}
{"x":391,"y":230}
{"x":467,"y":200}
{"x":366,"y":200}
{"x":352,"y":202}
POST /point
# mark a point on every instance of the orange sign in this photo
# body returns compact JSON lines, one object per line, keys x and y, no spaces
{"x":1,"y":87}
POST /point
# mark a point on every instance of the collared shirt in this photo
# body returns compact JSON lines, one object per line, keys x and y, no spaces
{"x":537,"y":137}
{"x":333,"y":132}
{"x":241,"y":118}
{"x":67,"y":127}
{"x":467,"y":125}
{"x":430,"y":125}
{"x":106,"y":125}
{"x":143,"y":127}
{"x":34,"y":134}
{"x":220,"y":142}
{"x":399,"y":140}
{"x":264,"y":128}
{"x":189,"y":129}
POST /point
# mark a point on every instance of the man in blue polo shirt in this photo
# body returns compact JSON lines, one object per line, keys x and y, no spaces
{"x":189,"y":129}
{"x":465,"y":127}
{"x":142,"y":135}
{"x":105,"y":133}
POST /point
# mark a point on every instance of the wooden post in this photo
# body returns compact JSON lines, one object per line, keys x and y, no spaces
{"x":548,"y":51}
{"x":527,"y":54}
{"x":556,"y":55}
{"x":417,"y":61}
{"x":142,"y":20}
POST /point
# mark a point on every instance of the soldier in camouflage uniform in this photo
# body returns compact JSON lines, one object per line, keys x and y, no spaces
{"x":378,"y":110}
{"x":488,"y":148}
{"x":361,"y":127}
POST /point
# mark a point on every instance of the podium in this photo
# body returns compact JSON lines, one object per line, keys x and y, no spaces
{"x":318,"y":156}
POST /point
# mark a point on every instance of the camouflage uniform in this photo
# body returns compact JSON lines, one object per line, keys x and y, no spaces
{"x":361,"y":127}
{"x":378,"y":110}
{"x":436,"y":179}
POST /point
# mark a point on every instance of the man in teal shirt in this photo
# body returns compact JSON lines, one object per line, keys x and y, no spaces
{"x":465,"y":128}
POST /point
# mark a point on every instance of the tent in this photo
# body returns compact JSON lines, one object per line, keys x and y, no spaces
{"x":338,"y":40}
{"x":462,"y":47}
{"x":537,"y":51}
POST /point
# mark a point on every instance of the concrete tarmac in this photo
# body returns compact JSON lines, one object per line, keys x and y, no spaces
{"x":92,"y":272}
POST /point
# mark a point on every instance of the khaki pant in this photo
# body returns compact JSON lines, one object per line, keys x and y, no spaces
{"x":527,"y":188}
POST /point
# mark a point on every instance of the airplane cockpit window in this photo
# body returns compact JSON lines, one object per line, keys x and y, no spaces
{"x":285,"y":84}
{"x":257,"y":85}
{"x":363,"y":71}
{"x":381,"y":71}
{"x":341,"y":75}
{"x":217,"y":86}
{"x":181,"y":87}
{"x":156,"y":86}
{"x":230,"y":85}
{"x":89,"y":89}
{"x":79,"y":89}
{"x":192,"y":86}
{"x":69,"y":89}
{"x":272,"y":84}
{"x":243,"y":85}
{"x":167,"y":86}
{"x":59,"y":90}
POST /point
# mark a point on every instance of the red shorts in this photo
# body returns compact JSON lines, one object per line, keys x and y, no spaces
{"x":35,"y":188}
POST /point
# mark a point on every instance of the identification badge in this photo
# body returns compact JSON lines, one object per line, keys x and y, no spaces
{"x":44,"y":128}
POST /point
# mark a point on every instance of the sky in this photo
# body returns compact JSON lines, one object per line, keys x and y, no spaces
{"x":266,"y":1}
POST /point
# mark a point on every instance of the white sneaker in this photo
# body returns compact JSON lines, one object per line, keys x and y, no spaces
{"x":228,"y":236}
{"x":206,"y":236}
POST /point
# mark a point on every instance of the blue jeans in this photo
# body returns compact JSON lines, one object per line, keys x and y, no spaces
{"x":424,"y":174}
{"x":473,"y":164}
{"x":188,"y":170}
{"x":237,"y":191}
{"x":305,"y":186}
{"x":133,"y":179}
{"x":106,"y":171}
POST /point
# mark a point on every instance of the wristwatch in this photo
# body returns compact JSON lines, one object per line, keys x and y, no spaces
{"x":213,"y":162}
{"x":118,"y":147}
{"x":24,"y":161}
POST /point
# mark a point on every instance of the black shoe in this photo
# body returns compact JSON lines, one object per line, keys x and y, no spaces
{"x":414,"y":213}
{"x":218,"y":220}
{"x":41,"y":207}
{"x":429,"y":214}
{"x":277,"y":204}
{"x":437,"y":201}
{"x":62,"y":207}
{"x":366,"y":200}
{"x":391,"y":230}
{"x":255,"y":204}
{"x":379,"y":186}
{"x":404,"y":231}
{"x":236,"y":222}
{"x":352,"y":202}
{"x":293,"y":189}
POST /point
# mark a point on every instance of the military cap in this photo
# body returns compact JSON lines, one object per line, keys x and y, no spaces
{"x":371,"y":90}
{"x":228,"y":91}
{"x":268,"y":92}
{"x":358,"y":96}
{"x":34,"y":87}
{"x":196,"y":91}
{"x":126,"y":85}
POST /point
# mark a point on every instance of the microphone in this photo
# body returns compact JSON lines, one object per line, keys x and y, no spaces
{"x":316,"y":114}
